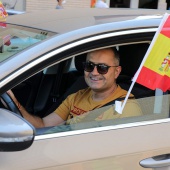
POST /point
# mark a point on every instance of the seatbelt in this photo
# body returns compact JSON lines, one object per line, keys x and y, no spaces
{"x":55,"y":92}
{"x":118,"y":99}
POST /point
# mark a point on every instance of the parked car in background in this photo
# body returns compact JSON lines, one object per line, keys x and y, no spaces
{"x":41,"y":61}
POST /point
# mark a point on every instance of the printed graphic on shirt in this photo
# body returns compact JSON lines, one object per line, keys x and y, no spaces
{"x":77,"y":111}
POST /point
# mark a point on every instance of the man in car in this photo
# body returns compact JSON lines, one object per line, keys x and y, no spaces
{"x":101,"y":70}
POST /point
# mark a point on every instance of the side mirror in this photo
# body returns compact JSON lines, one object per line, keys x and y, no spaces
{"x":16,"y":133}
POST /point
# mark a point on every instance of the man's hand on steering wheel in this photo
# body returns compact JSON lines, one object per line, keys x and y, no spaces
{"x":9,"y":100}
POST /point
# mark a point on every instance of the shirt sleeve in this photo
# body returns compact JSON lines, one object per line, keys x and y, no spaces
{"x":64,"y":109}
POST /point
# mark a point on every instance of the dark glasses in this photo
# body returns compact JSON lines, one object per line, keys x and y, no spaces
{"x":101,"y":68}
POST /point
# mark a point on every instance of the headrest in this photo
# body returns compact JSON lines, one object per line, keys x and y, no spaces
{"x":78,"y":61}
{"x":131,"y":57}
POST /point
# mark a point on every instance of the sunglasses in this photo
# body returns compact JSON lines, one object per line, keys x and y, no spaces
{"x":101,"y":68}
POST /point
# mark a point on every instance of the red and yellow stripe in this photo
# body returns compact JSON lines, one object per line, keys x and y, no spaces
{"x":155,"y":72}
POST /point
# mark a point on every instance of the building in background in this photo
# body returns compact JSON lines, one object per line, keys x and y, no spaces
{"x":149,"y":4}
{"x":168,"y":4}
{"x":19,"y":5}
{"x":31,"y":5}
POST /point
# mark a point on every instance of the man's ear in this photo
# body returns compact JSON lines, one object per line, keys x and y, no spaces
{"x":118,"y":71}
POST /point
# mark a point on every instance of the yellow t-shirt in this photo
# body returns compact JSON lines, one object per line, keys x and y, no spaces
{"x":81,"y":102}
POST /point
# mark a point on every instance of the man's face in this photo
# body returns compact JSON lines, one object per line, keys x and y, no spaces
{"x":102,"y":82}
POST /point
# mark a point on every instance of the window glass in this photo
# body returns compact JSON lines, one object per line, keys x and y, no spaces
{"x":14,"y":39}
{"x":150,"y":4}
{"x":138,"y":110}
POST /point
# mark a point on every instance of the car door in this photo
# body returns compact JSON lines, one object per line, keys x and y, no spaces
{"x":129,"y":143}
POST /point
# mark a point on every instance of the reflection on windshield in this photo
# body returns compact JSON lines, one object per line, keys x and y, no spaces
{"x":14,"y":39}
{"x":151,"y":108}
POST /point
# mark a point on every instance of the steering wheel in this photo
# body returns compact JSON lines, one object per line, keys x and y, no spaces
{"x":10,"y":103}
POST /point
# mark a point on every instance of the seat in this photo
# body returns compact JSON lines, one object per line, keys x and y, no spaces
{"x":46,"y":92}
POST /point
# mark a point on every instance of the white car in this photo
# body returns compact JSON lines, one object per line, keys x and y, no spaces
{"x":40,"y":60}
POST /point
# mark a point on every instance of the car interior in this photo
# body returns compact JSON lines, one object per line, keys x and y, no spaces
{"x":45,"y":91}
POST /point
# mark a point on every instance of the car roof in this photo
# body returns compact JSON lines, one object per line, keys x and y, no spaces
{"x":61,"y":21}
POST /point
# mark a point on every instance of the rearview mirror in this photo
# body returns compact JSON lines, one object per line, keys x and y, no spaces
{"x":16,"y":133}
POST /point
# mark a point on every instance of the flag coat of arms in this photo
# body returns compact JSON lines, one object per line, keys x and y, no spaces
{"x":154,"y":71}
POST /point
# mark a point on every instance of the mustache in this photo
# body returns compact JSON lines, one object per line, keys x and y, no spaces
{"x":98,"y":77}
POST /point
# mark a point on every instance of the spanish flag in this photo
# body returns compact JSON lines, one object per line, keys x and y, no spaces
{"x":3,"y":15}
{"x":154,"y":71}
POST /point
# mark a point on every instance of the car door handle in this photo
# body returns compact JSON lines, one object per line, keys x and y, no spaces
{"x":156,"y":161}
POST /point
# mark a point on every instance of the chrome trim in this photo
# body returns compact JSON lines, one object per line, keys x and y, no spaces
{"x":66,"y":47}
{"x":100,"y":129}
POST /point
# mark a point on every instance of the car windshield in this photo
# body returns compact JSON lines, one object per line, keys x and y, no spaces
{"x":14,"y":39}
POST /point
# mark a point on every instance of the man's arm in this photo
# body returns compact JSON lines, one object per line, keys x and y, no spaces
{"x":51,"y":120}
